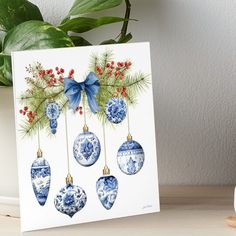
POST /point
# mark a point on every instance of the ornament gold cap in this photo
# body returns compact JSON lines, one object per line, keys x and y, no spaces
{"x":69,"y":179}
{"x":106,"y":170}
{"x":129,"y":137}
{"x":85,"y":128}
{"x":39,"y":153}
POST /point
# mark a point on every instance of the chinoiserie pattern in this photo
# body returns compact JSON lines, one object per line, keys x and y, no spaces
{"x":41,"y":178}
{"x":86,"y":148}
{"x":107,"y":189}
{"x":116,"y":110}
{"x":70,"y":199}
{"x":130,"y":157}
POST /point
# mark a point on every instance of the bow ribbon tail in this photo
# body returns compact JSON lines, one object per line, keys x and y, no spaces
{"x":93,"y":105}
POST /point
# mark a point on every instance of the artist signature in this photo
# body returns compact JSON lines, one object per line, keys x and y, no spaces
{"x":147,"y":206}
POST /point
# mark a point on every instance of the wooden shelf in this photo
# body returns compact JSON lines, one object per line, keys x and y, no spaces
{"x":185,"y":210}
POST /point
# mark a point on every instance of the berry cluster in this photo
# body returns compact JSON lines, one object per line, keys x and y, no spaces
{"x":122,"y":91}
{"x":53,"y":77}
{"x":80,"y":110}
{"x":114,"y":69}
{"x":30,"y":114}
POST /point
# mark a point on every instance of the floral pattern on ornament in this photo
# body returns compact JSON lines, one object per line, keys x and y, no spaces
{"x":41,"y":178}
{"x":116,"y":110}
{"x":70,"y":199}
{"x":86,"y":148}
{"x":107,"y":189}
{"x":130,"y":157}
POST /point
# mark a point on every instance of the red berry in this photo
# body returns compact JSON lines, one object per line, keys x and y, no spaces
{"x":24,"y":113}
{"x":124,"y":89}
{"x":118,"y":90}
{"x":21,"y":111}
{"x":108,"y":65}
{"x":50,"y":71}
{"x":122,"y":73}
{"x":112,"y":62}
{"x":72,"y":71}
{"x":129,"y":63}
{"x":26,"y":108}
{"x":80,"y":112}
{"x":56,"y":68}
{"x":80,"y":107}
{"x":121,"y":64}
{"x":122,"y":77}
{"x":62,"y":70}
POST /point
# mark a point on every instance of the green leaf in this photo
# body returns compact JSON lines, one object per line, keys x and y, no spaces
{"x":109,"y":41}
{"x":84,"y":24}
{"x":87,"y":6}
{"x":14,"y":12}
{"x":125,"y":39}
{"x":35,"y":35}
{"x":5,"y":71}
{"x":31,"y":35}
{"x":79,"y":41}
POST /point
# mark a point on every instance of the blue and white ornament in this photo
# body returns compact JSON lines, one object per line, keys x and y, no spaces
{"x":130,"y":157}
{"x":53,"y":111}
{"x":107,"y":189}
{"x":70,"y":199}
{"x":116,"y":110}
{"x":41,"y":178}
{"x":86,"y":148}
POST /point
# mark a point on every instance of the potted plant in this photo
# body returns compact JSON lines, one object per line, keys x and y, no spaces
{"x":22,"y":27}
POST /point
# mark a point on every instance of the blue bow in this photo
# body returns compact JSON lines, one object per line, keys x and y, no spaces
{"x":73,"y":89}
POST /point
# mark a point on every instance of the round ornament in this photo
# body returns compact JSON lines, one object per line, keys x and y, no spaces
{"x":116,"y":110}
{"x":41,"y":178}
{"x":70,"y":199}
{"x":130,"y":157}
{"x":107,"y":189}
{"x":53,"y":112}
{"x":86,"y":148}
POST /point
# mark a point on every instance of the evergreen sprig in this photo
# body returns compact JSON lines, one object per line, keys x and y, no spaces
{"x":115,"y":79}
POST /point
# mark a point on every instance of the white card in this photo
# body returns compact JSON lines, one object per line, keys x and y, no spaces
{"x":71,"y":87}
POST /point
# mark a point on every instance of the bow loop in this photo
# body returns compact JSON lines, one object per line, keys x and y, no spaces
{"x":90,"y":86}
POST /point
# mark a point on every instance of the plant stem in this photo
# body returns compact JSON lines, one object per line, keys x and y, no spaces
{"x":125,"y":23}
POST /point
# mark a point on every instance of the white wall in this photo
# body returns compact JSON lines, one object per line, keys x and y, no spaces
{"x":194,"y":69}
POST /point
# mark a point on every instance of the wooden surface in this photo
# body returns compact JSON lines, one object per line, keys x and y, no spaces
{"x":184,"y":211}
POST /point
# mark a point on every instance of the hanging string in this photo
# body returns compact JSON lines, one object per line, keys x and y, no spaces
{"x":128,"y":122}
{"x":83,"y":99}
{"x":104,"y":143}
{"x":67,"y":144}
{"x":38,"y":139}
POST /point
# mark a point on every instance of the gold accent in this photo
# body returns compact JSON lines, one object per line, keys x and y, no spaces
{"x":106,"y":170}
{"x":129,"y":137}
{"x":85,"y":128}
{"x":69,"y":179}
{"x":115,"y":94}
{"x":39,"y":153}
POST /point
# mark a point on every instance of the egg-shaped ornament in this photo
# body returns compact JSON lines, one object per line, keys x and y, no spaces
{"x":116,"y":109}
{"x":86,"y":148}
{"x":41,"y":178}
{"x":130,"y":157}
{"x":70,"y":199}
{"x":53,"y":111}
{"x":107,"y":189}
